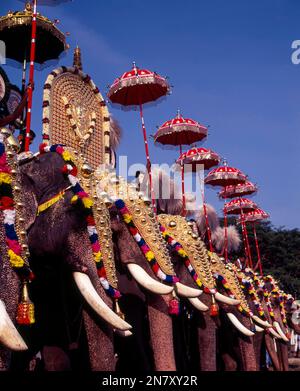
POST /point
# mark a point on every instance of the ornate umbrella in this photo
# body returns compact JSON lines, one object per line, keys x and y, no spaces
{"x":240,"y":190}
{"x":180,"y":131}
{"x":225,"y":176}
{"x":254,"y":217}
{"x":31,"y":36}
{"x":196,"y":156}
{"x":208,"y":159}
{"x":241,"y":206}
{"x":135,"y":88}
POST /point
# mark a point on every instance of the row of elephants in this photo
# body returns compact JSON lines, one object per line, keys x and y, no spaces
{"x":185,"y":309}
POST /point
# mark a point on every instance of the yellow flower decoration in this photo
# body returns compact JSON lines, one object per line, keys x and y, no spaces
{"x":97,"y":256}
{"x":182,"y":253}
{"x":149,"y":255}
{"x":87,"y":202}
{"x":67,"y":156}
{"x":15,"y":260}
{"x":127,"y":218}
{"x":5,"y":178}
{"x":74,"y":199}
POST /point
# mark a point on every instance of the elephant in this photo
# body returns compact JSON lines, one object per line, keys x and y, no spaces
{"x":65,"y":324}
{"x":272,"y":338}
{"x":206,"y":327}
{"x":61,"y":266}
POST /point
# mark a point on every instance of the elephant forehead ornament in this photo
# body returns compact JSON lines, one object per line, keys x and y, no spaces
{"x":100,"y":212}
{"x":228,"y":276}
{"x":141,"y":215}
{"x":75,"y":114}
{"x":181,"y":231}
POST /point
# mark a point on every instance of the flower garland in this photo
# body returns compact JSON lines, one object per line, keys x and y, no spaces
{"x":266,"y":294}
{"x":149,"y":255}
{"x":223,"y":281}
{"x":7,"y":205}
{"x":278,"y":296}
{"x":81,"y":196}
{"x":253,"y":296}
{"x":182,"y":253}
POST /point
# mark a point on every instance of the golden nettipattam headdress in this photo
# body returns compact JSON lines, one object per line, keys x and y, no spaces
{"x":75,"y":113}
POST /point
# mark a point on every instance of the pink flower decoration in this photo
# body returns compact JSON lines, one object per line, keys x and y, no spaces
{"x":96,"y":247}
{"x":59,"y":150}
{"x":144,"y":248}
{"x":14,"y":246}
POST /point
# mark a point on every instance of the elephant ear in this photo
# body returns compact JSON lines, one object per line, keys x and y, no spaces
{"x":28,"y":196}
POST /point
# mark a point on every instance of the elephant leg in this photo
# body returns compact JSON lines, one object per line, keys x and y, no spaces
{"x":161,"y":333}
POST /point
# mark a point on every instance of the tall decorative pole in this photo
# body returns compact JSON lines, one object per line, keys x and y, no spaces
{"x":31,"y":76}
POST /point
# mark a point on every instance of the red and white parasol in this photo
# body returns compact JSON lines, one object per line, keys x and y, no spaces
{"x":135,"y":88}
{"x":180,"y":131}
{"x":240,"y":190}
{"x":225,"y":176}
{"x":239,"y":205}
{"x":208,"y":158}
{"x":196,"y":156}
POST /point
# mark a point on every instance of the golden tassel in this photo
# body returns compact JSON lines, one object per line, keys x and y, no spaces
{"x":117,"y":309}
{"x":25,"y":312}
{"x":214,"y":308}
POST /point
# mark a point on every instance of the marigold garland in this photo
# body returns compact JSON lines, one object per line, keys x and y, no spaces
{"x":266,"y":294}
{"x":278,"y":296}
{"x":182,"y":253}
{"x":7,"y":205}
{"x":253,"y":296}
{"x":81,"y":196}
{"x":149,"y":255}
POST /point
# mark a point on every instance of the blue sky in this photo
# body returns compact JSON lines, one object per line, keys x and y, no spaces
{"x":230,"y":65}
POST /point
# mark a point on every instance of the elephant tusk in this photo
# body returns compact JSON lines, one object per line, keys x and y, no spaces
{"x":197,"y":304}
{"x":226,"y":300}
{"x":9,"y":335}
{"x":274,"y":333}
{"x":143,"y":278}
{"x":186,"y":291}
{"x":280,"y":332}
{"x":237,"y":324}
{"x":90,"y":294}
{"x":259,"y":329}
{"x":261,"y":322}
{"x":123,"y":334}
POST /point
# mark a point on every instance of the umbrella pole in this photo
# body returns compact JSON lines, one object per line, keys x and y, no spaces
{"x":147,"y":157}
{"x":183,"y":212}
{"x":226,"y":234}
{"x":245,"y":238}
{"x":31,"y":76}
{"x":248,"y":245}
{"x":24,"y":84}
{"x":208,"y":230}
{"x":257,"y":250}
